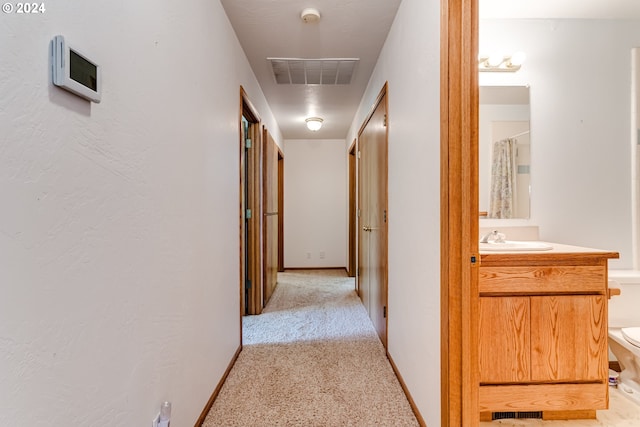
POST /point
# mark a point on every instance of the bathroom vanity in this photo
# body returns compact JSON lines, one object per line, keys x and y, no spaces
{"x":543,"y":331}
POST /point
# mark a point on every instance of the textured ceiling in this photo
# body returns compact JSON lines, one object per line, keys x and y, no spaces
{"x":347,"y":29}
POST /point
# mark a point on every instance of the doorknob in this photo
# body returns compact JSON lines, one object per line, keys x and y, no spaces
{"x":365,"y":228}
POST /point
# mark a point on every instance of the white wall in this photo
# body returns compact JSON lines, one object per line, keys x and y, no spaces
{"x":119,"y":220}
{"x":315,"y":202}
{"x":580,"y":77}
{"x":410,"y":62}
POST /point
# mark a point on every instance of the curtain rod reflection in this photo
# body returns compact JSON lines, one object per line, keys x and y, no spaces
{"x":519,"y":134}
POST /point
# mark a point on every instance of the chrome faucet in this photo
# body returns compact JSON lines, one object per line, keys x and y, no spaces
{"x":497,"y":237}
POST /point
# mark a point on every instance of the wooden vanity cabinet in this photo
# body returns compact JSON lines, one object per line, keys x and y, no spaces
{"x":543,"y":330}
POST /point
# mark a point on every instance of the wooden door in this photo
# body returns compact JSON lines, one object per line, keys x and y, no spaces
{"x":505,"y":343}
{"x":373,"y":216}
{"x":270,"y":221}
{"x":569,"y":338}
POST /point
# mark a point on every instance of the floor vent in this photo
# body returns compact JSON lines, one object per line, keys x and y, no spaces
{"x":329,"y":71}
{"x":504,"y":415}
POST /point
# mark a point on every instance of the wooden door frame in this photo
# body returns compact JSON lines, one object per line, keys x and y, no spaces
{"x":459,"y":212}
{"x":255,"y":195}
{"x":351,"y":269}
{"x":280,"y":210}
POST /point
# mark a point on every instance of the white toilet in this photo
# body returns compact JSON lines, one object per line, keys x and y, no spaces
{"x":625,"y":345}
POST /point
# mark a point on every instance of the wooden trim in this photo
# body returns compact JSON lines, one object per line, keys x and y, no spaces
{"x":280,"y":210}
{"x":216,"y":391}
{"x":316,"y":268}
{"x":412,"y":403}
{"x":255,"y":227}
{"x":459,"y":213}
{"x":241,"y":228}
{"x":543,"y":397}
{"x":569,"y":415}
{"x":486,"y":416}
{"x":255,"y":188}
{"x":381,"y":94}
{"x":352,"y":147}
{"x":552,"y":415}
{"x":351,"y":156}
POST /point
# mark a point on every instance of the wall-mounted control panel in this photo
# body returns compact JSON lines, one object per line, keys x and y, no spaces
{"x":75,"y":71}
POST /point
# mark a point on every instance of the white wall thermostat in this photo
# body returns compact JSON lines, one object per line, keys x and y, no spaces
{"x":74,"y":71}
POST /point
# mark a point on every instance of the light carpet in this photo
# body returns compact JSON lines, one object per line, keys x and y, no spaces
{"x":312,"y":358}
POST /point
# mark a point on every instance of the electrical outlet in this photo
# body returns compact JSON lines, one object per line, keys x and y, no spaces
{"x":322,"y":254}
{"x":308,"y":255}
{"x":156,"y":420}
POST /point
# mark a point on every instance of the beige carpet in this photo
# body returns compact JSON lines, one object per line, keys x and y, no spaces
{"x":311,"y":359}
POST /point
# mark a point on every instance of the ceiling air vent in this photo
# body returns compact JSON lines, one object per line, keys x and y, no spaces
{"x":297,"y":71}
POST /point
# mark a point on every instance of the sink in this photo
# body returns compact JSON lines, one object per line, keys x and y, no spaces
{"x":514,"y":245}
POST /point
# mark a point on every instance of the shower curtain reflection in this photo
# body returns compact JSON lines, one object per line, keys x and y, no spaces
{"x":503,"y":179}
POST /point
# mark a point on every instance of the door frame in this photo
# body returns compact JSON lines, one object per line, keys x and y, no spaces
{"x":253,"y":233}
{"x":459,"y":213}
{"x":280,"y":210}
{"x":351,"y":269}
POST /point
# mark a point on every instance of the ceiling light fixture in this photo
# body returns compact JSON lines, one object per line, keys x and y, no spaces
{"x":499,"y":62}
{"x":314,"y":123}
{"x":310,"y":15}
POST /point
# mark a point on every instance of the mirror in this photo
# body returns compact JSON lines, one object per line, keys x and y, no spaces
{"x":504,"y":145}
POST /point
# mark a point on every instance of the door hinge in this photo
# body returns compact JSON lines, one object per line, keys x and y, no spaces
{"x":475,"y":260}
{"x":358,"y":271}
{"x":247,"y":143}
{"x":248,"y":214}
{"x":358,"y":213}
{"x":384,"y":311}
{"x":385,"y":120}
{"x":358,"y":153}
{"x":385,"y":216}
{"x":247,"y":284}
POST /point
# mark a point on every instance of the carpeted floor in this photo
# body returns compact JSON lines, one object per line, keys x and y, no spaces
{"x":312,"y":358}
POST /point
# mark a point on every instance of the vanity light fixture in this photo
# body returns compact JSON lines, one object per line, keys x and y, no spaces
{"x":501,"y":63}
{"x":314,"y":123}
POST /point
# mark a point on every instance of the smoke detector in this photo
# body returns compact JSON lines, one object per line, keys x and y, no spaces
{"x":310,"y":15}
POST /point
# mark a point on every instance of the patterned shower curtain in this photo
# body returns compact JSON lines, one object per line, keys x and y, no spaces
{"x":503,"y":179}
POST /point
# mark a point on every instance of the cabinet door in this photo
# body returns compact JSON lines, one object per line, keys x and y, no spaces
{"x":504,"y":339}
{"x":569,"y":338}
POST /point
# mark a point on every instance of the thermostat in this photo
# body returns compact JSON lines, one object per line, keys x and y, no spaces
{"x":74,"y":71}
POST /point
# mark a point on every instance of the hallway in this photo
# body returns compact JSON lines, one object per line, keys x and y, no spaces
{"x":312,"y":358}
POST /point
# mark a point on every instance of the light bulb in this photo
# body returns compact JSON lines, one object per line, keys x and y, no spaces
{"x":517,"y":59}
{"x":495,"y":59}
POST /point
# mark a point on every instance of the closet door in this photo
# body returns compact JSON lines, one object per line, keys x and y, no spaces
{"x":270,"y":221}
{"x":373,"y":217}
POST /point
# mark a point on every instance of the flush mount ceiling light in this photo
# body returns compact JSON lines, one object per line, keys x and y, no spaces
{"x":310,"y":15}
{"x":314,"y":123}
{"x":499,"y":62}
